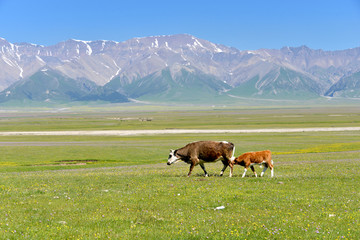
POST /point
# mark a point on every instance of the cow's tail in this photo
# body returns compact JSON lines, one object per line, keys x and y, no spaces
{"x":233,"y":153}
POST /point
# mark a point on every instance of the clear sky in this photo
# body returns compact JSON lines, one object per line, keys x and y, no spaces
{"x":244,"y":24}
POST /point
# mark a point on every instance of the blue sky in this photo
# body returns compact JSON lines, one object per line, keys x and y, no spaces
{"x":244,"y":24}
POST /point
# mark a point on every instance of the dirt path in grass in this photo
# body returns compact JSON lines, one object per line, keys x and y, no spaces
{"x":176,"y":131}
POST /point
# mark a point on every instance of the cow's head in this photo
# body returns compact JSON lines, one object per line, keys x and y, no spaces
{"x":172,"y":157}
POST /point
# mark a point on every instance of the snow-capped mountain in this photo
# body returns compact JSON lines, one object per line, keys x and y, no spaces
{"x":158,"y":65}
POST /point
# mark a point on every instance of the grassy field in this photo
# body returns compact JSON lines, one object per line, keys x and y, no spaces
{"x":77,"y":187}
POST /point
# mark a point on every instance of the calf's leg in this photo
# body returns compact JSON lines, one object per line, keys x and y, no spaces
{"x":245,"y":170}
{"x":253,"y":169}
{"x":263,"y":171}
{"x":271,"y":165}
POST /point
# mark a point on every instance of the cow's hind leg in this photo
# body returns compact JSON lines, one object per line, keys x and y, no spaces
{"x":203,"y":168}
{"x":225,"y":166}
{"x":230,"y":163}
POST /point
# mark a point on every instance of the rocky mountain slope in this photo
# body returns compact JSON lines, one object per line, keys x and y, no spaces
{"x":175,"y":67}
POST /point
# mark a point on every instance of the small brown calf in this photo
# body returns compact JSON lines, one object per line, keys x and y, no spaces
{"x":251,"y":158}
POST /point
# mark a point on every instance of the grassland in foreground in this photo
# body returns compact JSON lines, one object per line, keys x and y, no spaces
{"x":73,"y":187}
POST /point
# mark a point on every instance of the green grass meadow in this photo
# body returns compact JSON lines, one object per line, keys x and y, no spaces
{"x":108,"y":187}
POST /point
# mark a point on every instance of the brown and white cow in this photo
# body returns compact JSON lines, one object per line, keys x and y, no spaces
{"x":202,"y":152}
{"x":249,"y":159}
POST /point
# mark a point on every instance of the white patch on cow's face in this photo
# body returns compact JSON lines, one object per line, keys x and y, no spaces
{"x":172,"y":158}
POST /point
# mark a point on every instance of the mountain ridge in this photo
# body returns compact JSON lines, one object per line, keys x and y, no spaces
{"x":302,"y":69}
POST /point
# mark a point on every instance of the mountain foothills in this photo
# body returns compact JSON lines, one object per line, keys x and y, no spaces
{"x":176,"y":68}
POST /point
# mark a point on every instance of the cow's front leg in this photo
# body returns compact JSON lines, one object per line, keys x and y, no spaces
{"x":203,"y":168}
{"x":225,"y":166}
{"x":192,"y":165}
{"x":194,"y":161}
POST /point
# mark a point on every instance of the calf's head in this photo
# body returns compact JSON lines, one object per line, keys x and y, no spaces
{"x":172,"y":157}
